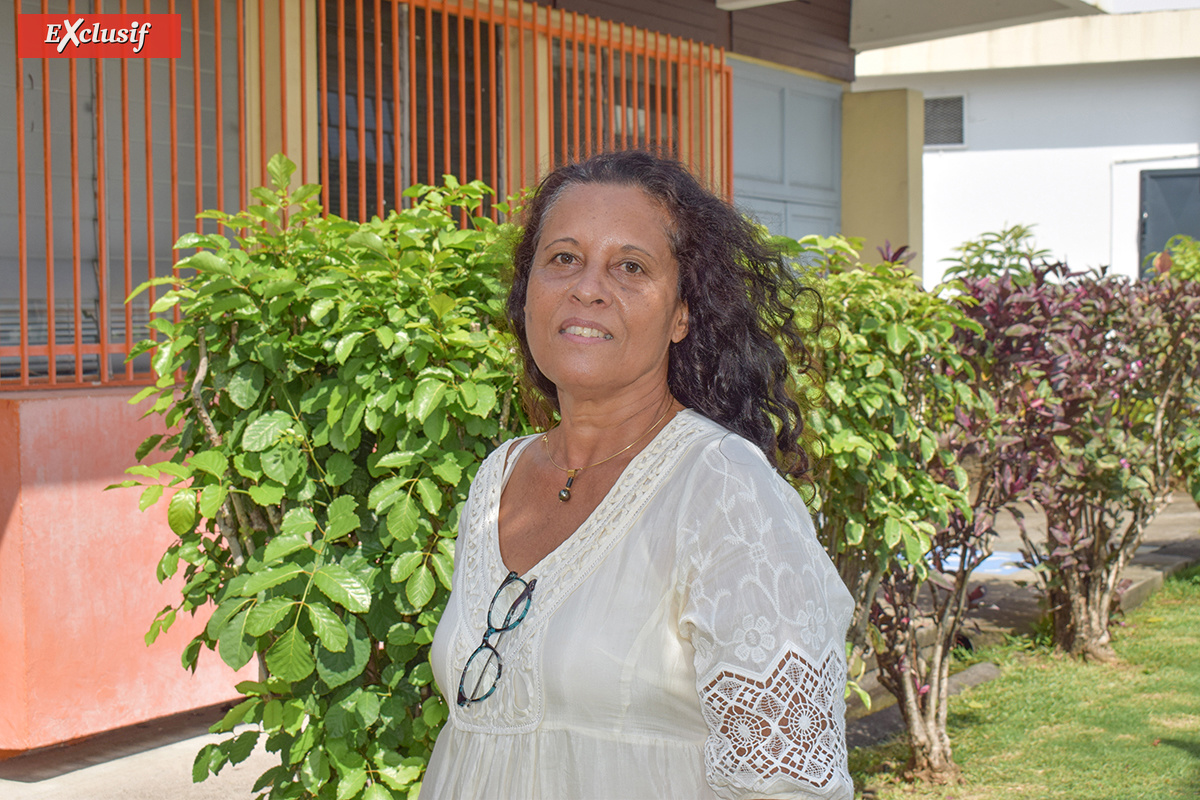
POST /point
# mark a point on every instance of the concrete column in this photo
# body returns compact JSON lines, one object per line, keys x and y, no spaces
{"x":883,"y":137}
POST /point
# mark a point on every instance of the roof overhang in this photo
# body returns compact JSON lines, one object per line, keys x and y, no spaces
{"x":885,"y":23}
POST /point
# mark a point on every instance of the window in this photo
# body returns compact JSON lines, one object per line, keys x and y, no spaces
{"x":944,"y":121}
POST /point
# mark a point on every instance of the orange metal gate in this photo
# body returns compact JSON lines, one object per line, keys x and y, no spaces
{"x":367,"y":96}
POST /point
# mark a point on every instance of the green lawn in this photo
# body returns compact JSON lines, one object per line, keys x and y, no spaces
{"x":1051,"y":727}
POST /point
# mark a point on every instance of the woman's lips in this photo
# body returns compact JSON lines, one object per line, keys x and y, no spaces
{"x":585,"y":330}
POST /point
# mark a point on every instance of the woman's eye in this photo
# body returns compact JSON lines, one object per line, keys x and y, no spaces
{"x":632,"y":267}
{"x":563,"y":258}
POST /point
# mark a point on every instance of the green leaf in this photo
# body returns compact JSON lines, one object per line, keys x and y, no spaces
{"x":290,"y":658}
{"x":265,"y":431}
{"x":486,"y":400}
{"x":402,"y":519}
{"x":212,"y":497}
{"x":897,"y":337}
{"x":338,"y":668}
{"x":270,"y":577}
{"x":298,"y":522}
{"x":376,"y":791}
{"x":441,"y":304}
{"x":343,"y":588}
{"x":351,"y":783}
{"x":267,"y":494}
{"x":328,"y":627}
{"x":181,"y":513}
{"x":144,"y":449}
{"x":338,"y":469}
{"x":150,"y":496}
{"x":443,"y":566}
{"x":234,"y":716}
{"x":420,"y":586}
{"x":431,"y":496}
{"x":891,"y":531}
{"x":346,"y":346}
{"x":342,"y":517}
{"x":448,"y":470}
{"x":427,"y":397}
{"x":280,"y":168}
{"x":245,"y":384}
{"x":282,"y":461}
{"x":398,"y":459}
{"x":404,"y":565}
{"x":265,"y":616}
{"x":283,"y":545}
{"x":236,"y":645}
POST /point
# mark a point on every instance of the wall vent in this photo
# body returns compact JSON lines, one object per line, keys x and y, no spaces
{"x":944,"y":121}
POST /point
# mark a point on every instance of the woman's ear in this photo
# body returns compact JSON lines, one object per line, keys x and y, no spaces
{"x":681,"y":323}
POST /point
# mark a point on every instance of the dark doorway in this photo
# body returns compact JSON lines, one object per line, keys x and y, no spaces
{"x":1170,"y":206}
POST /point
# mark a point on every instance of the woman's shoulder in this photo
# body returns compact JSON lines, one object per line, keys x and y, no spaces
{"x":715,"y":448}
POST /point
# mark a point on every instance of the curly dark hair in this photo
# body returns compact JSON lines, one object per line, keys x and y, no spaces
{"x":744,"y":347}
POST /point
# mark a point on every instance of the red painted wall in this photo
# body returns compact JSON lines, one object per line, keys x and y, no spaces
{"x":77,"y":577}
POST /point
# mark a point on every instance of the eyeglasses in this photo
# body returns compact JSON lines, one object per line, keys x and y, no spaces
{"x":482,"y":671}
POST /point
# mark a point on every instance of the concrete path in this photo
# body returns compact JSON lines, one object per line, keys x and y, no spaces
{"x":153,"y":761}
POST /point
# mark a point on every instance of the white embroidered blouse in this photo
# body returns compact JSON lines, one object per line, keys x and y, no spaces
{"x":685,"y":642}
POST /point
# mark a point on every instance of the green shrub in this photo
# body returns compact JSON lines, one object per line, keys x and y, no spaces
{"x":331,"y":388}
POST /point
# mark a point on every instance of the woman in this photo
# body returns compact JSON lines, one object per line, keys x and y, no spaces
{"x":640,"y":607}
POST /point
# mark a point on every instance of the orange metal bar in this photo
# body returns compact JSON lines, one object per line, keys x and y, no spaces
{"x":323,"y":104}
{"x":148,"y":96}
{"x":728,"y":127}
{"x":22,"y":249}
{"x":360,"y":74}
{"x":412,"y":95}
{"x":522,"y":176}
{"x":101,"y":233}
{"x":48,"y":155}
{"x":621,"y":51}
{"x":218,"y":108}
{"x":379,"y":138}
{"x":262,"y":93}
{"x":612,"y":99}
{"x":283,"y":77}
{"x":575,"y":100}
{"x":397,"y":140}
{"x":591,"y":88}
{"x":478,"y":94}
{"x":670,"y":117}
{"x":564,"y":109}
{"x":537,"y":92}
{"x":645,"y":104}
{"x":75,"y":243}
{"x":243,"y":196}
{"x":344,"y":189}
{"x":304,"y":91}
{"x":173,"y":123}
{"x":462,"y":98}
{"x":446,"y":143}
{"x":429,"y":148}
{"x":496,"y":149}
{"x":197,"y":113}
{"x":659,"y":81}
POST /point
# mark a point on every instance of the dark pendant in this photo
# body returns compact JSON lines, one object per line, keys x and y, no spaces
{"x":564,"y":494}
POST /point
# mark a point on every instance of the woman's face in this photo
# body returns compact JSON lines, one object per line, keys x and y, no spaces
{"x":603,"y":302}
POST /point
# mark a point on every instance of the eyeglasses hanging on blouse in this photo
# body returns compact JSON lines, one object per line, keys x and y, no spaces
{"x":482,"y":671}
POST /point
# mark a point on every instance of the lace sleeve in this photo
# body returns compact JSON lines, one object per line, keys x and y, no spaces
{"x":766,"y":614}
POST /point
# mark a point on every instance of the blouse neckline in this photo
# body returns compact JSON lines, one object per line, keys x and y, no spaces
{"x":518,"y":448}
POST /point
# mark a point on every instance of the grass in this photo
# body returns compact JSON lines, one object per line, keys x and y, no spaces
{"x":1052,"y":727}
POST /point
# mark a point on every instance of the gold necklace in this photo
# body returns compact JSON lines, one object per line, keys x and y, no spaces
{"x":564,"y":494}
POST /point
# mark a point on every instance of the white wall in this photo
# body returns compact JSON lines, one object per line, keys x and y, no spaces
{"x":1059,"y":148}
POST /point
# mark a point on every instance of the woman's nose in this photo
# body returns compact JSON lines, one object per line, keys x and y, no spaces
{"x":592,"y":284}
